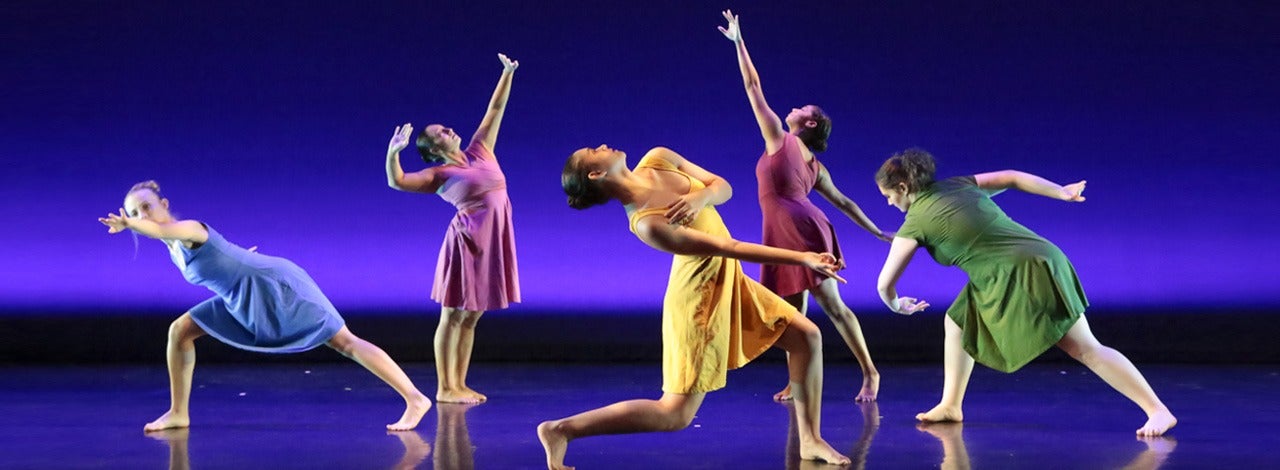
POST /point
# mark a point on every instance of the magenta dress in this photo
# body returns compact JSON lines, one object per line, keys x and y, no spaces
{"x":477,"y":265}
{"x":791,"y":221}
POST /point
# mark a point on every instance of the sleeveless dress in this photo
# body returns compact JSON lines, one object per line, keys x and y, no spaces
{"x":1022,"y":295}
{"x":263,"y":303}
{"x":476,"y":269}
{"x":791,"y":221}
{"x":714,"y":318}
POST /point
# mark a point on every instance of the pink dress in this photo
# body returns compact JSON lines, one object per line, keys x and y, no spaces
{"x":477,"y":266}
{"x":791,"y":221}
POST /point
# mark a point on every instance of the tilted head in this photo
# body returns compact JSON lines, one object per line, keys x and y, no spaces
{"x":811,"y":125}
{"x":144,"y":201}
{"x":435,"y":141}
{"x":585,"y":171}
{"x":904,"y":175}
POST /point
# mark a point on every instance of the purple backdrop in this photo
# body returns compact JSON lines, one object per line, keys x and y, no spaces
{"x":269,"y":121}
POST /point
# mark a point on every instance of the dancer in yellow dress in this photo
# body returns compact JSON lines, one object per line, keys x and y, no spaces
{"x":714,"y":318}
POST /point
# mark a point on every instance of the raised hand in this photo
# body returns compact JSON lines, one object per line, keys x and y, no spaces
{"x":731,"y":32}
{"x":508,"y":65}
{"x":825,"y":263}
{"x":908,"y":305}
{"x":686,"y":208}
{"x":1073,"y":192}
{"x":115,"y":223}
{"x":400,"y":139}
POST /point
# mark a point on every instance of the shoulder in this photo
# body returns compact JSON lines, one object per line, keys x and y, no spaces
{"x":662,"y":157}
{"x":477,"y":148}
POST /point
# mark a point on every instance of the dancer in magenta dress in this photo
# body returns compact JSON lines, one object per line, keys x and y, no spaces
{"x":786,"y":173}
{"x":476,"y":270}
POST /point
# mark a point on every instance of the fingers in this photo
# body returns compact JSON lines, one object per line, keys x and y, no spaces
{"x":833,"y":275}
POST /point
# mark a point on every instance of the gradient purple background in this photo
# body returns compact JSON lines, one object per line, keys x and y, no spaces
{"x":269,"y":121}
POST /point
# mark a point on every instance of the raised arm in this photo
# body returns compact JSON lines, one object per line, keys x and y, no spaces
{"x":188,"y":231}
{"x":997,"y":181}
{"x":488,"y":130}
{"x":424,"y":181}
{"x":770,"y":125}
{"x":676,"y":239}
{"x":827,"y":188}
{"x":899,"y":257}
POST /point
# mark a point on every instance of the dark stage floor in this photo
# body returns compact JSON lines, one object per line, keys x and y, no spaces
{"x":1046,"y":416}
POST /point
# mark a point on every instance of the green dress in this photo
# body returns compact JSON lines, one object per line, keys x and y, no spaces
{"x":1022,"y":295}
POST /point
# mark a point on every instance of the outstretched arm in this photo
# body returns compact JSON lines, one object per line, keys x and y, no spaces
{"x":997,"y":181}
{"x":488,"y":130}
{"x":675,"y":239}
{"x":770,"y":125}
{"x":899,"y":257}
{"x":188,"y":231}
{"x":686,"y":208}
{"x":827,"y":188}
{"x":424,"y":181}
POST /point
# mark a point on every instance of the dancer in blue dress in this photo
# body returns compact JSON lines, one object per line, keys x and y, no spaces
{"x":263,"y":303}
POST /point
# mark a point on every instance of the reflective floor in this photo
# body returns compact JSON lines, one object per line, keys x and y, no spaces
{"x":331,"y":415}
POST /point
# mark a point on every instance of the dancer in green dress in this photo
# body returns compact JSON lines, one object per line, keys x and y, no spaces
{"x":1023,"y":295}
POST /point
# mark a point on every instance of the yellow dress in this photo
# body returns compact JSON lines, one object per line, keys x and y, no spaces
{"x":714,"y":318}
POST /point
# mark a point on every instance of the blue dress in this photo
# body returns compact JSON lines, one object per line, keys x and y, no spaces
{"x":263,"y":303}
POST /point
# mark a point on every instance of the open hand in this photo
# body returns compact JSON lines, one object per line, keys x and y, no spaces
{"x":508,"y":65}
{"x":686,"y":208}
{"x":115,"y":223}
{"x":400,"y":139}
{"x":908,"y":305}
{"x":731,"y":32}
{"x":825,"y":263}
{"x":1073,"y":192}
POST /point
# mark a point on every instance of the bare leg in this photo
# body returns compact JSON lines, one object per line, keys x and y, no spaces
{"x":828,"y":297}
{"x":466,"y":338}
{"x":1157,"y":451}
{"x":451,"y":363}
{"x":804,"y":343}
{"x":956,"y":365}
{"x":180,"y":355}
{"x":453,"y":440}
{"x":378,"y":362}
{"x":672,"y":412}
{"x":176,"y":439}
{"x":1120,"y":374}
{"x":415,"y":450}
{"x":801,"y":303}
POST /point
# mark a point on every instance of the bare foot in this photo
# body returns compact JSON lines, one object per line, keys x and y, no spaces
{"x":820,"y":450}
{"x":941,"y":430}
{"x":941,"y":414}
{"x":459,"y":396}
{"x":168,"y":420}
{"x":870,"y":388}
{"x":784,"y":395}
{"x":413,"y":411}
{"x":555,"y":444}
{"x":1158,"y":423}
{"x":477,"y":395}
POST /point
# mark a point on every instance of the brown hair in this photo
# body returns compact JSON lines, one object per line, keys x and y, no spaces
{"x":816,"y":137}
{"x":913,"y":166}
{"x":582,"y":192}
{"x":427,"y":148}
{"x":150,"y":185}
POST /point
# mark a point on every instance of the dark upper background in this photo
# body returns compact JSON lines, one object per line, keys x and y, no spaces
{"x":269,"y":121}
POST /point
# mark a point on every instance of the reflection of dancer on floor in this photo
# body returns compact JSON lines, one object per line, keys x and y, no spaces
{"x":786,"y":173}
{"x":176,"y":439}
{"x":476,"y":270}
{"x":955,"y":455}
{"x":714,"y":318}
{"x":1154,"y":455}
{"x":415,"y":449}
{"x":1023,"y":295}
{"x":453,"y":440}
{"x":263,"y":303}
{"x":857,"y":457}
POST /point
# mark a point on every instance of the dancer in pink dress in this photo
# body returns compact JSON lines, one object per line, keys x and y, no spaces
{"x":476,"y":271}
{"x":786,"y":173}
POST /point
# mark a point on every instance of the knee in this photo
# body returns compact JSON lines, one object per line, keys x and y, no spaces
{"x":179,"y":330}
{"x":677,"y":420}
{"x":343,"y":344}
{"x":1081,"y":352}
{"x":469,"y":321}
